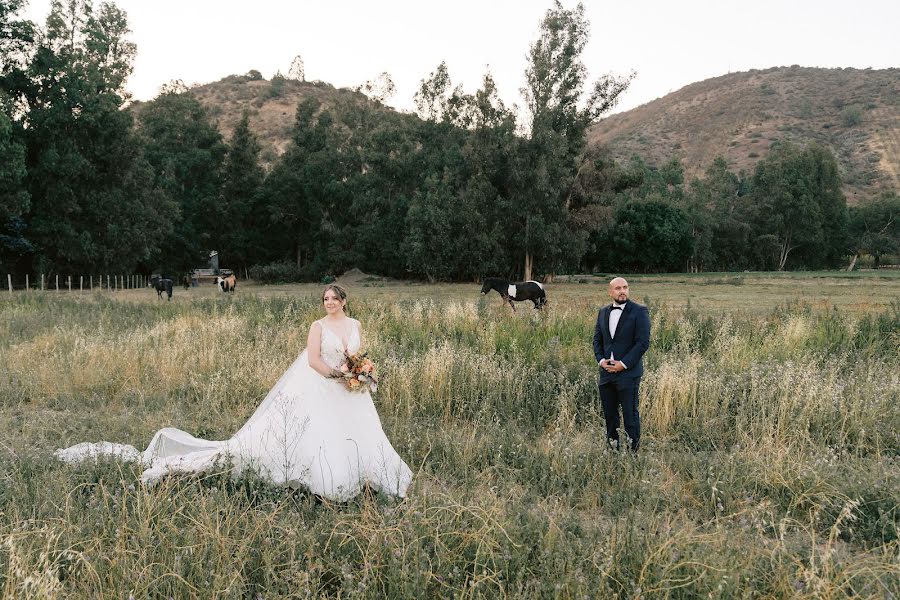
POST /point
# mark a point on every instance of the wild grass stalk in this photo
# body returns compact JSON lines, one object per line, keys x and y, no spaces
{"x":770,"y":465}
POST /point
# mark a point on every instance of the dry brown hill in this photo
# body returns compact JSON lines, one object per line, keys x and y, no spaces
{"x":271,"y":105}
{"x":854,"y":112}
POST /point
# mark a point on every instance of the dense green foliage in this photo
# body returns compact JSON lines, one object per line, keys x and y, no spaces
{"x":875,"y":228}
{"x":465,"y":189}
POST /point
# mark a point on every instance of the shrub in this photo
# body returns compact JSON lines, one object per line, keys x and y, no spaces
{"x":281,"y":272}
{"x":851,"y":116}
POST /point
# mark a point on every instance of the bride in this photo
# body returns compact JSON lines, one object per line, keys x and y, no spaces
{"x":310,"y":430}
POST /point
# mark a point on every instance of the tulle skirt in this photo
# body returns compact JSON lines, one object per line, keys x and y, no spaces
{"x":309,"y":432}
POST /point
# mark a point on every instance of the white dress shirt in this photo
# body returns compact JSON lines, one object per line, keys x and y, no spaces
{"x":614,"y":316}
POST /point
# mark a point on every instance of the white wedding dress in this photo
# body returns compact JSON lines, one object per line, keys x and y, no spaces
{"x":309,"y":431}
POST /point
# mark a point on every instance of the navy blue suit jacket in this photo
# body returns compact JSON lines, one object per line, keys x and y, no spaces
{"x":631,"y":341}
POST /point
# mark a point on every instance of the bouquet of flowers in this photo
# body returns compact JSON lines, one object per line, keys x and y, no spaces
{"x":359,"y":372}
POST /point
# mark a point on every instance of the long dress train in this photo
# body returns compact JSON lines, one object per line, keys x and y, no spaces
{"x":309,"y":431}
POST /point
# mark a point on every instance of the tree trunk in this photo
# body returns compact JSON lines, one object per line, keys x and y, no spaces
{"x":529,"y":262}
{"x":783,"y":255}
{"x":852,"y":264}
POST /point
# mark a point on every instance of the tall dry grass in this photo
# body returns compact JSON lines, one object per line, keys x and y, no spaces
{"x":769,"y":466}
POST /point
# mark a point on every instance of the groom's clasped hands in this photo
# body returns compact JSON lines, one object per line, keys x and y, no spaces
{"x":612,"y":366}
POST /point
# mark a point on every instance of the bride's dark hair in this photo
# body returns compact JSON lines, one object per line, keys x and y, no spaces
{"x":341,"y":293}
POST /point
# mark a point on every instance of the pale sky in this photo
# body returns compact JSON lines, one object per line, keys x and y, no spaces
{"x":345,"y":42}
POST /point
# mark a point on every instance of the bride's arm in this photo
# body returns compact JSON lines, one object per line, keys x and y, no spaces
{"x":313,"y":352}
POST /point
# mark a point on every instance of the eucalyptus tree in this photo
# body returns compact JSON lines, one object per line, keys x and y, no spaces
{"x":237,"y":210}
{"x":186,"y":151}
{"x":13,"y":195}
{"x":383,"y":168}
{"x":13,"y":198}
{"x":297,"y":71}
{"x":874,"y":228}
{"x":798,"y":211}
{"x":455,"y":223}
{"x":16,"y":47}
{"x":714,"y":207}
{"x":559,"y":113}
{"x":93,"y":202}
{"x":303,"y":193}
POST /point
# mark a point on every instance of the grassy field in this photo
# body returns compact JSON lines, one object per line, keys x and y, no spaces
{"x":769,"y":468}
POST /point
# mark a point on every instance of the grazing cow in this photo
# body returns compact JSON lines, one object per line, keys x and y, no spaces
{"x":516,"y":291}
{"x":227,"y":284}
{"x":161,"y":285}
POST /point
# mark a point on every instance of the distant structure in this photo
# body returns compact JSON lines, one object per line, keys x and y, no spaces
{"x":212,"y":270}
{"x":214,"y":261}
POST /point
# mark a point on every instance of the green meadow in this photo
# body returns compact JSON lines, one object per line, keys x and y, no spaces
{"x":769,"y":467}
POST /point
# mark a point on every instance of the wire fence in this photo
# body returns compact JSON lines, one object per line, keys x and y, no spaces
{"x":74,"y":283}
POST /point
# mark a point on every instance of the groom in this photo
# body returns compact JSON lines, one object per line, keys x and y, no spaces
{"x":621,"y":337}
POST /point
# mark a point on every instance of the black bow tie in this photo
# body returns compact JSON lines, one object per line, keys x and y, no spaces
{"x":615,"y":308}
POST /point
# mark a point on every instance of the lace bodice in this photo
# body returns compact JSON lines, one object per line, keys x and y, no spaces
{"x":332,"y":347}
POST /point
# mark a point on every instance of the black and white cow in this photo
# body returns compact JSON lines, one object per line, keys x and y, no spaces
{"x":516,"y":291}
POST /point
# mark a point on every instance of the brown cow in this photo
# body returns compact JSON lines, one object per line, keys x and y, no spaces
{"x":227,"y":284}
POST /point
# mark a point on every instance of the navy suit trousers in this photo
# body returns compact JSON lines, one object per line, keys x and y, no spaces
{"x":621,"y":392}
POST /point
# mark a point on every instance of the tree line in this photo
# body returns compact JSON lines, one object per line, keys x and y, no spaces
{"x":466,"y":187}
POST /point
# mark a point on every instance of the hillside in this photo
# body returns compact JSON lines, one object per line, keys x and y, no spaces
{"x":271,"y":105}
{"x":854,"y":112}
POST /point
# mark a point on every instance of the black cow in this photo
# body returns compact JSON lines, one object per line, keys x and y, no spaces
{"x":161,"y":285}
{"x":516,"y":291}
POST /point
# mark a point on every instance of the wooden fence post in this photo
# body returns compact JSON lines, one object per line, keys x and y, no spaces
{"x":27,"y":286}
{"x":9,"y":281}
{"x":81,"y":283}
{"x":92,"y":283}
{"x":57,"y":283}
{"x":42,"y":282}
{"x":69,"y":280}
